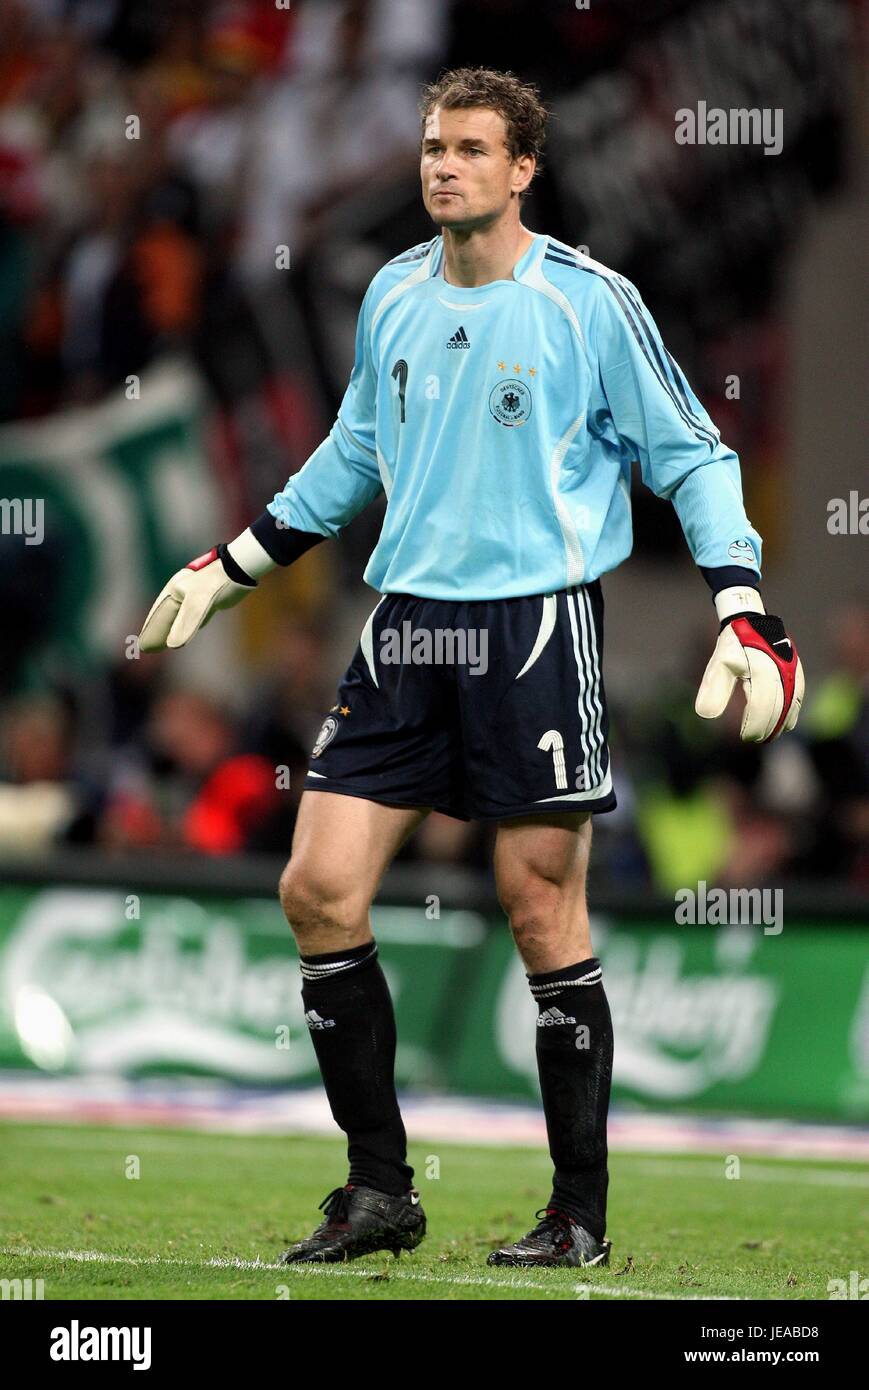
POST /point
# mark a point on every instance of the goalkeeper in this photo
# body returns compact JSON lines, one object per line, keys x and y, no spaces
{"x":502,"y":386}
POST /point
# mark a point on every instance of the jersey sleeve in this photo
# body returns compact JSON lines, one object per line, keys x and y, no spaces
{"x":342,"y":475}
{"x":660,"y":422}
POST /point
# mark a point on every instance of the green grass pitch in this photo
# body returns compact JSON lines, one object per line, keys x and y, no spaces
{"x":208,"y":1216}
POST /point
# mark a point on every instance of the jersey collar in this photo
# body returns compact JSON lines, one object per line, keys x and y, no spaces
{"x":436,"y":265}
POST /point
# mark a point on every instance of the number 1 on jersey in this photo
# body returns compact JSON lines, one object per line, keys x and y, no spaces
{"x":399,"y":371}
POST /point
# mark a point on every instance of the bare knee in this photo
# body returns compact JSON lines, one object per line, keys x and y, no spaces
{"x":548,"y":920}
{"x":323,"y":916}
{"x":305,"y":902}
{"x":540,"y":873}
{"x":532,"y":904}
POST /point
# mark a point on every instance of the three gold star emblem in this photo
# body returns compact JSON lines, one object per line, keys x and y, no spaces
{"x":517,"y":368}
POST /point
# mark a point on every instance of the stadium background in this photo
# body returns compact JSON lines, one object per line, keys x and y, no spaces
{"x":193,"y":199}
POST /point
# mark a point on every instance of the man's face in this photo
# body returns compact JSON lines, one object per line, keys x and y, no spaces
{"x":466,"y":171}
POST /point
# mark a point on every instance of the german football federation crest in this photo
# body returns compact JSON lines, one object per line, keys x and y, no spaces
{"x":510,"y":402}
{"x":327,"y":733}
{"x":742,"y":551}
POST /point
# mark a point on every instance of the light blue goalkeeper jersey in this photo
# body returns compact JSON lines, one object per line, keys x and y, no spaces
{"x":501,"y":423}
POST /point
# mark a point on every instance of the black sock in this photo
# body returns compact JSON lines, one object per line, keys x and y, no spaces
{"x":349,"y":1012}
{"x":574,"y":1062}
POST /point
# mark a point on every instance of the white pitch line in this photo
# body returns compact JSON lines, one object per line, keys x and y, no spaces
{"x":333,"y":1271}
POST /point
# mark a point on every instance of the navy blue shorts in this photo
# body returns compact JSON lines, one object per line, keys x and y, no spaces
{"x":482,"y":710}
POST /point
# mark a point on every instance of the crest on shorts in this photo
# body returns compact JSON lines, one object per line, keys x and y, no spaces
{"x":327,"y":732}
{"x":510,"y":402}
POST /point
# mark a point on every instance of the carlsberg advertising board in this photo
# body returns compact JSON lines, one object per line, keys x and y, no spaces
{"x":95,"y":980}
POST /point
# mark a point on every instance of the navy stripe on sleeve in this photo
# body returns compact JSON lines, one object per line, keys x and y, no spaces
{"x":634,"y":315}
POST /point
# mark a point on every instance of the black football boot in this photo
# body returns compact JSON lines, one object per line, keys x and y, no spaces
{"x":359,"y":1221}
{"x":557,"y":1241}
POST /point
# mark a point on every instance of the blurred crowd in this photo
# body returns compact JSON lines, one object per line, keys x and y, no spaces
{"x":137,"y":763}
{"x":155,"y":156}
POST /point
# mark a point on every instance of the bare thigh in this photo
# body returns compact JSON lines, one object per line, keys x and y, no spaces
{"x":541,"y":863}
{"x":342,"y":847}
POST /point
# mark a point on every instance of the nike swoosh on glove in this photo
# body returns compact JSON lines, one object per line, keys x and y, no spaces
{"x":219,"y":579}
{"x":754,"y":648}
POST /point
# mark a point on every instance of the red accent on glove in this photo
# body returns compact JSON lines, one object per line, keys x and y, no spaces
{"x":202,"y":560}
{"x":750,"y":637}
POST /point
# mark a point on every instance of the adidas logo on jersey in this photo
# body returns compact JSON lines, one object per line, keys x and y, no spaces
{"x":459,"y":339}
{"x":550,"y":1017}
{"x":313,"y":1020}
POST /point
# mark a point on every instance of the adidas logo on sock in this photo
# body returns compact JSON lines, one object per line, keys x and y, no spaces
{"x":459,"y":339}
{"x":313,"y":1020}
{"x":553,"y":1016}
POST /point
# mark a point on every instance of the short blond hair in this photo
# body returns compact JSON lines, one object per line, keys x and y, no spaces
{"x":525,"y":115}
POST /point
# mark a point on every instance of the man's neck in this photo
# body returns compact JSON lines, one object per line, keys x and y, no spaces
{"x":474,"y":261}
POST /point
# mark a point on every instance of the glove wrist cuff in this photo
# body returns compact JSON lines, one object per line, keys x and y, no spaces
{"x":739,"y":599}
{"x":250,"y":556}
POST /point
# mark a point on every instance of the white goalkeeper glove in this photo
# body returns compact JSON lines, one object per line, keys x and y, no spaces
{"x":219,"y":579}
{"x":754,"y":648}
